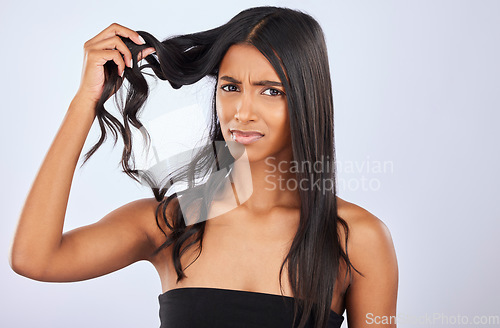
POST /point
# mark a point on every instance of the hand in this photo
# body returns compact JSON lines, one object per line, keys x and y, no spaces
{"x":102,"y":48}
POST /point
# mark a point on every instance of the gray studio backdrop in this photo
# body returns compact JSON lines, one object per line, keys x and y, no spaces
{"x":416,"y":87}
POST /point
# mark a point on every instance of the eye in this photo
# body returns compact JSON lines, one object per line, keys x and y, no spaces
{"x":229,"y":88}
{"x":272,"y":92}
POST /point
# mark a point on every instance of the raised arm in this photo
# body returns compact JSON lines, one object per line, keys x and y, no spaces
{"x":39,"y":250}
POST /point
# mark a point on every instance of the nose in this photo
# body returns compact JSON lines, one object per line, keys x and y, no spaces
{"x":245,"y":108}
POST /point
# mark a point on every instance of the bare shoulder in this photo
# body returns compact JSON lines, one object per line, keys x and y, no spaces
{"x":373,"y":290}
{"x":371,"y":251}
{"x":363,"y":225}
{"x":369,"y":240}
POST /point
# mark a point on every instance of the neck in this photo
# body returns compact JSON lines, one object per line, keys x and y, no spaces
{"x":263,"y":185}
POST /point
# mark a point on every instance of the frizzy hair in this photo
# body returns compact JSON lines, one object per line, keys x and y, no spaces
{"x":294,"y":44}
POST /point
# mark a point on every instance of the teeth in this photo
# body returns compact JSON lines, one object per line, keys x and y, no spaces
{"x":247,"y":134}
{"x":238,"y":136}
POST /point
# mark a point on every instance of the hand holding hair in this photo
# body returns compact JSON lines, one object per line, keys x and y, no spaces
{"x":105,"y":48}
{"x":180,"y":60}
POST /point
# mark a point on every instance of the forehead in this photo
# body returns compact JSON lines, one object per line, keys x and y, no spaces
{"x":244,"y":60}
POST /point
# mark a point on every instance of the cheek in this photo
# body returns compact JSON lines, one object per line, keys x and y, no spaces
{"x":224,"y":117}
{"x":279,"y":118}
{"x":221,"y":107}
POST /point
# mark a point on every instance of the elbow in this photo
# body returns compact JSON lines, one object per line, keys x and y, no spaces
{"x":16,"y":264}
{"x":24,"y":267}
{"x":17,"y":267}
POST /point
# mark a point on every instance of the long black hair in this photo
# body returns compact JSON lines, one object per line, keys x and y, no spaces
{"x":294,"y":44}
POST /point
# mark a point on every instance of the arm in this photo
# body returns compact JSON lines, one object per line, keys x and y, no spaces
{"x":371,"y":300}
{"x":119,"y":239}
{"x":39,"y":250}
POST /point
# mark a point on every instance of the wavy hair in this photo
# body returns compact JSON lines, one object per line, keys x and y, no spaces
{"x":294,"y":44}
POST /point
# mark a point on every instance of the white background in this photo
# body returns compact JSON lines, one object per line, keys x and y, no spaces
{"x":416,"y":84}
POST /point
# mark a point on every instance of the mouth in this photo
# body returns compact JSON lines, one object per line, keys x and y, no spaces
{"x":245,"y":137}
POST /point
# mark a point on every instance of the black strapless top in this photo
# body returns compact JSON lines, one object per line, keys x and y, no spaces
{"x":200,"y":307}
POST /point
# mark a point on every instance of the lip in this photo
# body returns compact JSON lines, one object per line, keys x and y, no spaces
{"x":245,"y":137}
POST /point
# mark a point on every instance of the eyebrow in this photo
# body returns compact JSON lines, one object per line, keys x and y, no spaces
{"x":262,"y":83}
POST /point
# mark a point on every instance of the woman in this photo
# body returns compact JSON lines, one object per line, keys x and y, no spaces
{"x":273,"y":110}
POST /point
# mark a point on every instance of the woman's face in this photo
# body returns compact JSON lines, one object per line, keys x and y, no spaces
{"x":250,"y":97}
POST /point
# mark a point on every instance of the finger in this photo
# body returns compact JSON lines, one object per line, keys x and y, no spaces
{"x":144,"y":53}
{"x":117,"y":29}
{"x":114,"y":43}
{"x":100,"y":57}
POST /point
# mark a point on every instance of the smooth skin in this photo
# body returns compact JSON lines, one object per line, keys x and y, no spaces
{"x":41,"y":251}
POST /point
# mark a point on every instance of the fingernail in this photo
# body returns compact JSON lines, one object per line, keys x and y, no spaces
{"x":141,"y":39}
{"x":131,"y":63}
{"x":123,"y":72}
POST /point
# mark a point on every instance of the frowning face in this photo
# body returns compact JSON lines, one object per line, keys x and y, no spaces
{"x":251,"y":104}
